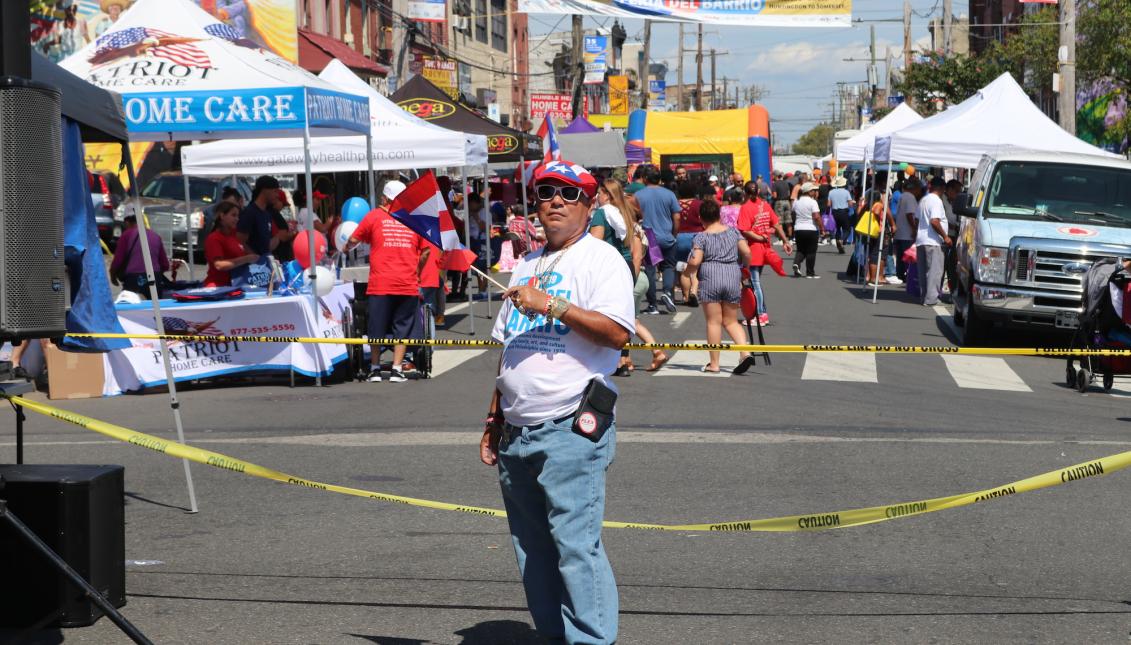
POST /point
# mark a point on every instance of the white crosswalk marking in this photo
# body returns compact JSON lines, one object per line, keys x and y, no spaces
{"x":444,"y":360}
{"x":984,"y":373}
{"x":857,"y":367}
{"x":680,"y":318}
{"x":690,"y":363}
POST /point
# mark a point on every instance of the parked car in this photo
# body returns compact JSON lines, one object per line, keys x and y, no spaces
{"x":1031,"y":227}
{"x":163,"y":202}
{"x":105,"y":199}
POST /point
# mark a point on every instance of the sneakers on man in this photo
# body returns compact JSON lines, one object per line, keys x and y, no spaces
{"x":668,"y":302}
{"x":650,"y":311}
{"x":797,"y":272}
{"x":374,"y":374}
{"x":397,"y":376}
{"x":894,"y":280}
{"x":813,"y":277}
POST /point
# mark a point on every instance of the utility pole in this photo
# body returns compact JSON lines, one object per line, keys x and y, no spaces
{"x":873,"y":77}
{"x":906,"y":35}
{"x":726,"y":90}
{"x":679,"y":74}
{"x":714,"y":104}
{"x":947,"y":28}
{"x":699,"y":70}
{"x":1066,"y":101}
{"x":578,"y":66}
{"x":644,"y":73}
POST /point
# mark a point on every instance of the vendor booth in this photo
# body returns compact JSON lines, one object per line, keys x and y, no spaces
{"x":861,"y":146}
{"x":400,"y":140}
{"x":999,"y":116}
{"x":735,"y":139}
{"x":593,"y":149}
{"x":422,"y":99}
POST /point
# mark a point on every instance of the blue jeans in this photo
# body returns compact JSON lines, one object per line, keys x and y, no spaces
{"x":667,"y":268}
{"x":683,"y":246}
{"x":756,"y":282}
{"x":553,"y":483}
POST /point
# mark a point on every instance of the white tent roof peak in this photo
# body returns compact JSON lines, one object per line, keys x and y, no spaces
{"x":185,"y":75}
{"x":861,"y":145}
{"x":999,"y":116}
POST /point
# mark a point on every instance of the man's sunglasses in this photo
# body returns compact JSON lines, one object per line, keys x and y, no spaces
{"x":546,"y":192}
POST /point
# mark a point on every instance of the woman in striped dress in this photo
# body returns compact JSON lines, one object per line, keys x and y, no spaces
{"x":717,"y":257}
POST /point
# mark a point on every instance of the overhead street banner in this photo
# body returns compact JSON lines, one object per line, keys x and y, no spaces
{"x":753,"y":13}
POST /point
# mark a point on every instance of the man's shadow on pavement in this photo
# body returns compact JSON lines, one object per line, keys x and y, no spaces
{"x":491,"y":632}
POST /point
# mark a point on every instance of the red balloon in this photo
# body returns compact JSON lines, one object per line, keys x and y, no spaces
{"x":302,"y":248}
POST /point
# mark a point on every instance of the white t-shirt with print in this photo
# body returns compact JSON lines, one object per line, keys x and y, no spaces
{"x":930,"y":207}
{"x":804,"y":210}
{"x":546,"y":367}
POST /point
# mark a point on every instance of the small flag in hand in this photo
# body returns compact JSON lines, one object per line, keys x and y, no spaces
{"x":421,"y":207}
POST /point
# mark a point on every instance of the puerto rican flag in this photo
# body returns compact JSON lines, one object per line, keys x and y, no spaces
{"x":420,"y":206}
{"x":550,"y":142}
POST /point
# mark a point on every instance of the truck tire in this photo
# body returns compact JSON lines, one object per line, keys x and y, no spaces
{"x":975,"y":330}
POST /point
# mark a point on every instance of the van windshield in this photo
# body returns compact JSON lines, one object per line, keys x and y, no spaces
{"x":1061,"y":192}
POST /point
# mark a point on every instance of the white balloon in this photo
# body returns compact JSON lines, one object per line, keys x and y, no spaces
{"x":323,"y":280}
{"x":342,"y":234}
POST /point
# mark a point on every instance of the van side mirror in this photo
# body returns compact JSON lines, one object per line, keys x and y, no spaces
{"x":962,"y":206}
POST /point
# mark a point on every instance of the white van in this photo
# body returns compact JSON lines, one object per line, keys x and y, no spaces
{"x":1031,"y":226}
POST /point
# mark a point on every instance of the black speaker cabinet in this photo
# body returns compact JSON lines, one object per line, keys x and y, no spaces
{"x":32,"y":290}
{"x":79,"y":512}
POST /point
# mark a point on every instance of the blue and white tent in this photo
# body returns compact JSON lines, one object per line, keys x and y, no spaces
{"x":183,"y":75}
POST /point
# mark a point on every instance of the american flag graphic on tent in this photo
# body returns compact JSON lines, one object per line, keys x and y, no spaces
{"x":174,"y":325}
{"x":146,"y":41}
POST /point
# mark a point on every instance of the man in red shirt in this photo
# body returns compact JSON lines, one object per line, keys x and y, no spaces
{"x":396,"y":260}
{"x":758,"y":223}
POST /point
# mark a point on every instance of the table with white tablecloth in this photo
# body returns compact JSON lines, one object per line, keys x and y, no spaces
{"x":140,"y":366}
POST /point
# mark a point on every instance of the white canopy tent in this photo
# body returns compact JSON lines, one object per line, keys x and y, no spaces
{"x":860,"y":146}
{"x":999,"y":116}
{"x":183,"y":75}
{"x":400,"y":140}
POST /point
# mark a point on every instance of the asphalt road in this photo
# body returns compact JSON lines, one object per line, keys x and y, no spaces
{"x":267,"y":563}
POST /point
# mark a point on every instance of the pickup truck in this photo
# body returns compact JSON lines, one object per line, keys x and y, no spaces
{"x":1031,"y":226}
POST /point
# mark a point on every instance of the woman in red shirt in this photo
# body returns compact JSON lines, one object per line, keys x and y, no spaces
{"x":221,"y":248}
{"x":689,"y":226}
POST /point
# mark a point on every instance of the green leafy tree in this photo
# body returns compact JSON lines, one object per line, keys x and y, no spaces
{"x":938,"y":80}
{"x":817,"y":142}
{"x":1031,"y":50}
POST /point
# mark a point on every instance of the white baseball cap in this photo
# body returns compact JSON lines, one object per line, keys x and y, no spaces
{"x":713,"y":178}
{"x":392,"y":189}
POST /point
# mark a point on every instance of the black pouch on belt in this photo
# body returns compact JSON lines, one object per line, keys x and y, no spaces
{"x":595,"y":414}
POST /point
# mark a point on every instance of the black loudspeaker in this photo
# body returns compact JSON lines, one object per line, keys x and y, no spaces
{"x":79,"y":512}
{"x":32,"y":291}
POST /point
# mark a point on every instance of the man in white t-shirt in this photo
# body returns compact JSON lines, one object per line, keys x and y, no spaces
{"x":567,"y":313}
{"x":906,"y":224}
{"x":932,"y":237}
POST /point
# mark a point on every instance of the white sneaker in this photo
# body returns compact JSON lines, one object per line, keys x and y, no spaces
{"x":397,"y":376}
{"x":894,"y":280}
{"x":374,"y":374}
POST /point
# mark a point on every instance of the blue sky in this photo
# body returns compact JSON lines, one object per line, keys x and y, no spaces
{"x":799,"y":67}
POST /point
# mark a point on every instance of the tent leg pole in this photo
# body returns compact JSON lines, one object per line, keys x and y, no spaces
{"x":883,"y":229}
{"x":188,"y":225}
{"x":159,"y":322}
{"x":372,"y":176}
{"x":525,"y":213}
{"x":864,"y":198}
{"x":309,"y":230}
{"x":464,"y":176}
{"x":487,"y":223}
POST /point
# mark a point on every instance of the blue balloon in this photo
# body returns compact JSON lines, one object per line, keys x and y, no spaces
{"x":355,"y":210}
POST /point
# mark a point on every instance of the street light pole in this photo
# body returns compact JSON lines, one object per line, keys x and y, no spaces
{"x":1066,"y":101}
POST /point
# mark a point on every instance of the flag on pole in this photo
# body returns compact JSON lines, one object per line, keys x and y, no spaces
{"x":550,"y":142}
{"x":421,"y":207}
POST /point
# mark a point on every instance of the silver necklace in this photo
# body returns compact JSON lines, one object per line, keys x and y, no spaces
{"x":541,"y":274}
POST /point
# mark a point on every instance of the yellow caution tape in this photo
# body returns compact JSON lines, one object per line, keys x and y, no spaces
{"x":720,"y":347}
{"x":810,"y":522}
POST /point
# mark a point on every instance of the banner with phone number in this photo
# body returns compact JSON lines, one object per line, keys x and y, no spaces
{"x":753,"y":13}
{"x":141,"y":366}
